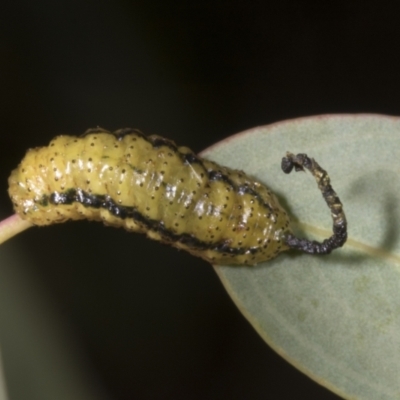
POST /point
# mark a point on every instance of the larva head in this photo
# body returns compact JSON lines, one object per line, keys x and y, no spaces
{"x":32,"y":182}
{"x":23,"y":183}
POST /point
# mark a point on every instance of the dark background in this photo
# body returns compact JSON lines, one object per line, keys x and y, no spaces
{"x":153,"y":322}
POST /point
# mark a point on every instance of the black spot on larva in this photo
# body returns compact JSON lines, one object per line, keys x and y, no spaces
{"x":191,"y":158}
{"x":218,"y":176}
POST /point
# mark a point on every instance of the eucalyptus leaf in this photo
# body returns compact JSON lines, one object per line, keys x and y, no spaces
{"x":337,"y":317}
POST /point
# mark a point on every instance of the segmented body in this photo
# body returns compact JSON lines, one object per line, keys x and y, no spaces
{"x":148,"y":184}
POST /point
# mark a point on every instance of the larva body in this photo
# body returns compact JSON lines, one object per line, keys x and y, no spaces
{"x":148,"y":184}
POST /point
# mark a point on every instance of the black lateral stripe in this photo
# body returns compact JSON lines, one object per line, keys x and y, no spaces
{"x":123,"y":212}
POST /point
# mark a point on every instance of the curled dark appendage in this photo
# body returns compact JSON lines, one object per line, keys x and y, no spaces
{"x":300,"y":162}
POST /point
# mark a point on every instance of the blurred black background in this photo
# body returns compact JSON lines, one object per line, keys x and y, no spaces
{"x":153,"y":322}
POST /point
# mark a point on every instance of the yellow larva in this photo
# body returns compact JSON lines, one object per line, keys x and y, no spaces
{"x":148,"y":184}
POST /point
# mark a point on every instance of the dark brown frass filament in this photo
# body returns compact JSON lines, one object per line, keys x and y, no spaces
{"x":300,"y":162}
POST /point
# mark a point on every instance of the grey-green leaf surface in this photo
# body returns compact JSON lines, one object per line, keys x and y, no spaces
{"x":335,"y":317}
